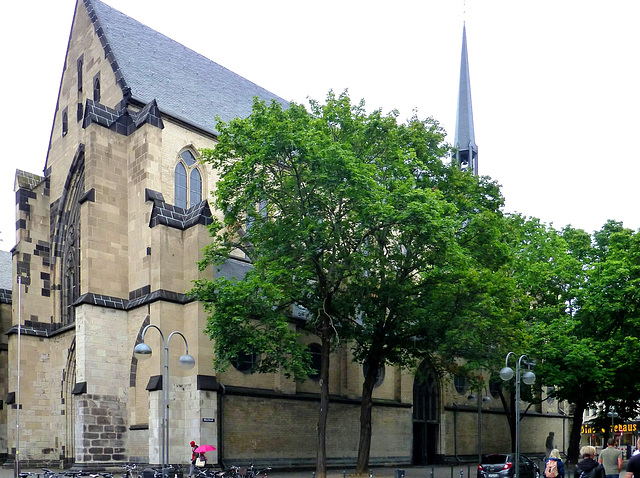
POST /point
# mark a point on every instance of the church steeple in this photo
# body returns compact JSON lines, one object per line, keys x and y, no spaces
{"x":465,"y":140}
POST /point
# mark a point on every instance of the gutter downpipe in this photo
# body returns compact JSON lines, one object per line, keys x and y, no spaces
{"x":221,"y":426}
{"x":455,"y":433}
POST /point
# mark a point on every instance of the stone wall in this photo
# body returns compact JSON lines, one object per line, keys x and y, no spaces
{"x":282,"y":432}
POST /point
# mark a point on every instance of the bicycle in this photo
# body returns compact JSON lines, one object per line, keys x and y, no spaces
{"x":170,"y":471}
{"x":130,"y":470}
{"x":100,"y":475}
{"x":250,"y":472}
{"x":253,"y":473}
{"x":25,"y":474}
{"x":209,"y":473}
{"x":49,"y":473}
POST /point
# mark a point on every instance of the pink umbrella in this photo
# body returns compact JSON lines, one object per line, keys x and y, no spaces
{"x":204,"y":449}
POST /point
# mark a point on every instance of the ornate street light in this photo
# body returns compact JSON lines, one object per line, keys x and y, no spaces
{"x":613,"y":414}
{"x":528,"y":378}
{"x":187,"y":362}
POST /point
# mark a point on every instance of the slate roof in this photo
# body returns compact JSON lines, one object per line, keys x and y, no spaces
{"x":175,"y":216}
{"x":124,"y":122}
{"x":465,"y":138}
{"x":185,"y":84}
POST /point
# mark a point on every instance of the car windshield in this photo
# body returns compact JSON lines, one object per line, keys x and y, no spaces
{"x":494,"y":459}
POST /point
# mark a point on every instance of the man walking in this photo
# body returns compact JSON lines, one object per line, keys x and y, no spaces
{"x":549,"y":445}
{"x":633,"y":465}
{"x":611,"y":459}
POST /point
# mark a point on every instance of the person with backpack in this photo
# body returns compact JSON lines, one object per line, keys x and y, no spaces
{"x":554,"y":467}
{"x":588,"y":467}
{"x":611,"y":459}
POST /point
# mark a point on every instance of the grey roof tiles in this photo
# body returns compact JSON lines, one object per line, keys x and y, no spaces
{"x":185,"y":84}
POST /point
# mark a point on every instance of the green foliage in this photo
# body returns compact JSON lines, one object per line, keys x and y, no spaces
{"x":357,"y":219}
{"x":584,"y":316}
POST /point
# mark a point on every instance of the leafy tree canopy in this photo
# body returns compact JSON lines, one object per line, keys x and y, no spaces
{"x":357,"y":220}
{"x":587,"y":344}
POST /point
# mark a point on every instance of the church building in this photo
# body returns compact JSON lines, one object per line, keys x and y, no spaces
{"x":107,"y":240}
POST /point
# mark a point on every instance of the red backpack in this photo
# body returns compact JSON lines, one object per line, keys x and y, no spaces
{"x":551,"y":468}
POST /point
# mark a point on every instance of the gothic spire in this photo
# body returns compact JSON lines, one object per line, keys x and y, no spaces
{"x":465,"y":140}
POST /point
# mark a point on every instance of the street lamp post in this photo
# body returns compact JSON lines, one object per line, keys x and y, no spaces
{"x":613,"y":414}
{"x":528,"y":378}
{"x":186,"y":361}
{"x":480,"y":399}
{"x":16,"y":464}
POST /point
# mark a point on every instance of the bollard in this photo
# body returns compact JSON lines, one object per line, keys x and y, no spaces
{"x":371,"y":474}
{"x":432,"y":472}
{"x":344,"y":473}
{"x":461,"y":473}
{"x":313,"y":475}
{"x":399,"y":473}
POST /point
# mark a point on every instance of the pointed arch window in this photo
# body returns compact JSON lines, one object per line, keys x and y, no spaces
{"x":187,"y":181}
{"x":96,"y":88}
{"x":79,"y":65}
{"x":70,"y":230}
{"x":65,"y":122}
{"x":195,"y":187}
{"x":181,"y":185}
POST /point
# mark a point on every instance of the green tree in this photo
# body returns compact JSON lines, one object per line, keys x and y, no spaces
{"x":589,"y":349}
{"x":356,"y":219}
{"x":537,"y":263}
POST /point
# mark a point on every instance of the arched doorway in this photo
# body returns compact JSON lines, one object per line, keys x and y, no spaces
{"x":426,"y":413}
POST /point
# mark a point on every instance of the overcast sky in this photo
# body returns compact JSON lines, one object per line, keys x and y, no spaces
{"x":553,"y":82}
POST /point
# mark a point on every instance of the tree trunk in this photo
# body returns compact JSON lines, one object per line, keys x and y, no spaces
{"x":321,"y":457}
{"x":573,"y":452}
{"x":364,"y":446}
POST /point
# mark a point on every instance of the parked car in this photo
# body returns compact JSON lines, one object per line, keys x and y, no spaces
{"x":502,"y":465}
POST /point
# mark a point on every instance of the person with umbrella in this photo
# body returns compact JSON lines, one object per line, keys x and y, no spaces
{"x":198,"y":453}
{"x":194,"y":457}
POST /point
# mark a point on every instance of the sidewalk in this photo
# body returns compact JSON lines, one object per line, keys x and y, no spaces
{"x":436,"y":471}
{"x":463,"y":470}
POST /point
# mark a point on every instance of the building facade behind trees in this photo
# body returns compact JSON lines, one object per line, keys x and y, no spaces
{"x":108,"y":237}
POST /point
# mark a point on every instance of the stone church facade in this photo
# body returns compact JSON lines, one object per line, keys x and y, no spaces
{"x":107,"y":241}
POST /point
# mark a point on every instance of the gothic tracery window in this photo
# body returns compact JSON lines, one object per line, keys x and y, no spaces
{"x":187,"y":181}
{"x":69,"y":236}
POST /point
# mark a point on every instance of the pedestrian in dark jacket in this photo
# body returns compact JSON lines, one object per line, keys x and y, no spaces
{"x":588,"y":467}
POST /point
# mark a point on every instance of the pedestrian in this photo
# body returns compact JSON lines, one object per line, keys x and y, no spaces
{"x":588,"y":467}
{"x":194,"y":457}
{"x":633,"y":465}
{"x":548,"y":444}
{"x":611,"y":459}
{"x":554,"y":467}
